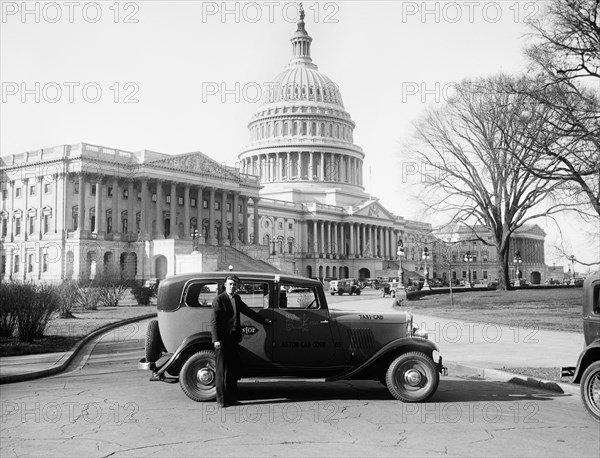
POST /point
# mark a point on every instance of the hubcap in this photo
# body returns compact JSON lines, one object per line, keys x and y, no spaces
{"x":206,"y":376}
{"x":412,"y":377}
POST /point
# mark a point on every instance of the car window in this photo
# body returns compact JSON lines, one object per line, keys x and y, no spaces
{"x":297,"y":296}
{"x":255,"y":294}
{"x":201,"y":294}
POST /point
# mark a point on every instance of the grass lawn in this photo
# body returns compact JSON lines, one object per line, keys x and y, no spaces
{"x":62,"y":333}
{"x":557,"y":309}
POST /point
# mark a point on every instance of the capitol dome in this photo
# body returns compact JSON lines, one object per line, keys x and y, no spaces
{"x":301,"y":136}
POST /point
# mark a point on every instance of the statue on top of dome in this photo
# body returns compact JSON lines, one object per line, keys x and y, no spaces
{"x":301,"y":12}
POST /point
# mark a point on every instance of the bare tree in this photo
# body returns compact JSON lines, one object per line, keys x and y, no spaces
{"x":473,"y":149}
{"x":565,"y":55}
{"x":567,"y":39}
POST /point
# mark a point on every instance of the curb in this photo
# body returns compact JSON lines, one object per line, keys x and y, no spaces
{"x":4,"y":379}
{"x":509,"y":377}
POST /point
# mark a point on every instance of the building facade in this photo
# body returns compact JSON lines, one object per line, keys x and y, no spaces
{"x":295,"y":204}
{"x":473,"y":256}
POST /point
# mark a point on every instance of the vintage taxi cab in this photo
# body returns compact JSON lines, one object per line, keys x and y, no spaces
{"x":340,"y":287}
{"x":587,"y":372}
{"x":305,"y":339}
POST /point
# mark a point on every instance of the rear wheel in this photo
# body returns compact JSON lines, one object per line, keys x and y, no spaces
{"x":197,"y":376}
{"x":154,"y":343}
{"x":412,"y":377}
{"x":590,"y":390}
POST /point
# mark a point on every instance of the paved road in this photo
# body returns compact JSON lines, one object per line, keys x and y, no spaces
{"x":105,"y":406}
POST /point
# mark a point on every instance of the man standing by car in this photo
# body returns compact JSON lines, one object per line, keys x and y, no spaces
{"x":226,"y":335}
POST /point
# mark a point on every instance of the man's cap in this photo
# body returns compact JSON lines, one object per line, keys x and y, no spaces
{"x":235,"y":278}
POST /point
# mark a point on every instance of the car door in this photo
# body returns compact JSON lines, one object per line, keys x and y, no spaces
{"x":257,"y":344}
{"x":301,"y":326}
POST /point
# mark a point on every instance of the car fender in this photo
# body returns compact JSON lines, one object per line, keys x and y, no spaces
{"x":589,"y":354}
{"x":190,"y":345}
{"x":393,"y":348}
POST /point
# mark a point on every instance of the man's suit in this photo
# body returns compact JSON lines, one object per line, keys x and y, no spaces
{"x":226,"y":328}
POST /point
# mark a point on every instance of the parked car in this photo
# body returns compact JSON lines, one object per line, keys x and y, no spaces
{"x":389,"y":288}
{"x":306,"y":338}
{"x":344,"y":286}
{"x":587,"y":372}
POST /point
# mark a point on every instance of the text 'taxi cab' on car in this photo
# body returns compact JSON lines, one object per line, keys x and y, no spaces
{"x":305,"y":339}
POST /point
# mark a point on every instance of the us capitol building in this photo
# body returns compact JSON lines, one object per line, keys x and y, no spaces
{"x":295,"y":204}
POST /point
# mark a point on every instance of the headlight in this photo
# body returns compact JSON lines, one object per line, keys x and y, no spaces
{"x":419,"y":333}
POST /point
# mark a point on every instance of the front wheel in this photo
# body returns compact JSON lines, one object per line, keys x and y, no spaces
{"x":197,"y":376}
{"x":412,"y":377}
{"x":590,"y":390}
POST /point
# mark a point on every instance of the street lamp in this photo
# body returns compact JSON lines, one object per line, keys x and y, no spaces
{"x":400,"y":253}
{"x":468,"y":258}
{"x":517,"y":260}
{"x":426,"y":272}
{"x":195,"y":235}
{"x":572,"y":259}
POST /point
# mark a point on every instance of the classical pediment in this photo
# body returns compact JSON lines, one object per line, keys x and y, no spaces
{"x":196,"y":163}
{"x":373,"y":209}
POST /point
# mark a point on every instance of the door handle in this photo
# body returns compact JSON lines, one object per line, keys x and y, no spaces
{"x":323,"y":321}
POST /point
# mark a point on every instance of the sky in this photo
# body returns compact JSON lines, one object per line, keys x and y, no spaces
{"x":177,"y":77}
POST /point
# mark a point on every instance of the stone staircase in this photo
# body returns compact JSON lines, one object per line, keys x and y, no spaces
{"x":250,"y":259}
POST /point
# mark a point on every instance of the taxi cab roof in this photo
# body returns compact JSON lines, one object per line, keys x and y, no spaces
{"x":170,"y":290}
{"x":184,"y":278}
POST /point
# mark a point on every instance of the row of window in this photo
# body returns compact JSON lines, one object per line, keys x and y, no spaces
{"x":33,"y":189}
{"x":46,"y":223}
{"x":294,"y":128}
{"x":30,"y":258}
{"x":167,"y":197}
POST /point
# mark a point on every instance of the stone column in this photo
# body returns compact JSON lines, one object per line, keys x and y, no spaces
{"x":116,"y":213}
{"x":40,"y":185}
{"x":322,"y":246}
{"x":199,"y":203}
{"x":352,"y":226}
{"x":81,"y":219}
{"x":98,"y":205}
{"x":173,"y":213}
{"x":224,"y":240}
{"x":280,"y":165}
{"x":130,"y":208}
{"x":245,"y":217}
{"x":342,"y":240}
{"x":299,"y":165}
{"x":311,"y":171}
{"x":256,"y":200}
{"x":315,"y":238}
{"x":160,"y":232}
{"x":322,"y":167}
{"x":212,"y":240}
{"x":143,"y":205}
{"x":234,"y":219}
{"x":186,"y":211}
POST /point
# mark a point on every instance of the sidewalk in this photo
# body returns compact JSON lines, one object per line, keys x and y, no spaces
{"x":29,"y":367}
{"x":467,"y":348}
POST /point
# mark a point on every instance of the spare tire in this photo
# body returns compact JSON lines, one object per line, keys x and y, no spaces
{"x":154,"y":343}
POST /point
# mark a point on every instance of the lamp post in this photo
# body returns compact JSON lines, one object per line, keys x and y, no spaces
{"x":195,"y":235}
{"x":426,"y":272}
{"x":517,"y":260}
{"x":468,"y":259}
{"x":400,"y":253}
{"x":572,"y":259}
